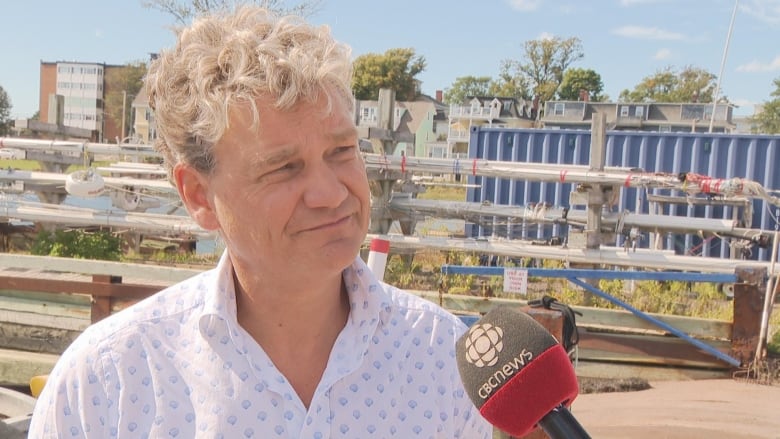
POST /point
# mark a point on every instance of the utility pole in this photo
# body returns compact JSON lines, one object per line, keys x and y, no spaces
{"x":595,"y":195}
{"x":124,"y":105}
{"x":382,"y":180}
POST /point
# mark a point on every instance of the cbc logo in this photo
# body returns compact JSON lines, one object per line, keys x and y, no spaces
{"x":483,"y":344}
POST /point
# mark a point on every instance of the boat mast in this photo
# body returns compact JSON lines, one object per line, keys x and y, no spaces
{"x":722,"y":65}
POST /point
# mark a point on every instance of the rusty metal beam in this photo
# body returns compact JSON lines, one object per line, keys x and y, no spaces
{"x":749,"y":294}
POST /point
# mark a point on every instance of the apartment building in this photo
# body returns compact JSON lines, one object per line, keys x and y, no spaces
{"x":144,"y":126}
{"x":485,"y":111}
{"x":72,"y":94}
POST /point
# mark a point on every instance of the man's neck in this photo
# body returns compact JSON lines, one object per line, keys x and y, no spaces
{"x":289,"y":309}
{"x":295,"y":326}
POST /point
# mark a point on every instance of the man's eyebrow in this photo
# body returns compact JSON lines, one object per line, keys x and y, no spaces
{"x":269,"y":159}
{"x":284,"y":153}
{"x":347,"y":134}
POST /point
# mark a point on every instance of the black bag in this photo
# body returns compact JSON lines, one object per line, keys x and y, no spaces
{"x":570,"y":334}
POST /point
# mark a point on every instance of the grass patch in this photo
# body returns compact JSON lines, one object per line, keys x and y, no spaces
{"x":443,"y":193}
{"x":422,"y":271}
{"x":606,"y":385}
{"x":773,"y":338}
{"x":21,"y":165}
{"x":35,"y":166}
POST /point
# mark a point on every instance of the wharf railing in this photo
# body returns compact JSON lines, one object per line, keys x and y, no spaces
{"x":45,"y":302}
{"x":749,"y":288}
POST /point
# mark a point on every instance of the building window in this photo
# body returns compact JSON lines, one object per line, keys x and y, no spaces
{"x":639,"y":112}
{"x":624,"y":111}
{"x":695,"y":112}
{"x":558,"y":109}
{"x":367,"y":115}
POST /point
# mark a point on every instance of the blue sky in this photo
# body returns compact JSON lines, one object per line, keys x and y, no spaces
{"x":623,"y":40}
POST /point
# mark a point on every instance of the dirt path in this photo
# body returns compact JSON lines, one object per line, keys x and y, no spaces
{"x":706,"y":409}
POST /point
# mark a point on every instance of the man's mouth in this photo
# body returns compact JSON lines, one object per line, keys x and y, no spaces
{"x":335,"y":223}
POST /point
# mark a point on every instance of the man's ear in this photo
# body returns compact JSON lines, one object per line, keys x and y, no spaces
{"x":194,"y":192}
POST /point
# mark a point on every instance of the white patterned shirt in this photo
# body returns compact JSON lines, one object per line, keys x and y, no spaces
{"x":178,"y":365}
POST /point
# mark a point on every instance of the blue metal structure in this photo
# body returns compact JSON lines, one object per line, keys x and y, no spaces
{"x":751,"y":157}
{"x":574,"y":275}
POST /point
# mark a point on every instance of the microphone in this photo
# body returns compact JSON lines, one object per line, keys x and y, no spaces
{"x":518,"y":375}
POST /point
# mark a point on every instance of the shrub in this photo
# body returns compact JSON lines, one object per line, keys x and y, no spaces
{"x":100,"y":245}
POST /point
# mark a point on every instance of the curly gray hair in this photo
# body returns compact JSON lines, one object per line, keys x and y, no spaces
{"x":230,"y":58}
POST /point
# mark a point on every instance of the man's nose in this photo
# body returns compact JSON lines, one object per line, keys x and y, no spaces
{"x":324,"y":187}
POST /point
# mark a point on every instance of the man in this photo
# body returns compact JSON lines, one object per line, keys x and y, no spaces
{"x":290,"y":335}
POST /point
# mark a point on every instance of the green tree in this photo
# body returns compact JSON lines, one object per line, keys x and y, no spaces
{"x":5,"y":112}
{"x":510,"y":83}
{"x":99,"y":245}
{"x":545,"y":61}
{"x":185,"y":10}
{"x":123,"y":85}
{"x":575,"y":80}
{"x":767,"y":121}
{"x":465,"y":86}
{"x":691,"y":84}
{"x":396,"y":69}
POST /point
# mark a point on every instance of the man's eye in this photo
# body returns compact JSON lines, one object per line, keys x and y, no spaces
{"x":344,"y":150}
{"x":280,"y":171}
{"x":285,"y":167}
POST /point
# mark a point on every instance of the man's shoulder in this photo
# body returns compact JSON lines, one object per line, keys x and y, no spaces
{"x":414,"y":307}
{"x":171,"y":302}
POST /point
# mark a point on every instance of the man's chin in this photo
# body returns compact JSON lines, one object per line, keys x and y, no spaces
{"x":339,"y":253}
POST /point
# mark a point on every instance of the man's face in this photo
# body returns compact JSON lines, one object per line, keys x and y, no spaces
{"x":290,"y":195}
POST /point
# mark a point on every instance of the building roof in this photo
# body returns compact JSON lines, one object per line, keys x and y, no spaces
{"x":81,"y":63}
{"x":511,"y":108}
{"x":637,"y":114}
{"x":413,"y":116}
{"x":141,"y":98}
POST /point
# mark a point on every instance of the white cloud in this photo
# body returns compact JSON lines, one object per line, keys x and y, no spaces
{"x":757,"y":66}
{"x":647,"y":33}
{"x":765,"y":10}
{"x":663,"y":54}
{"x":525,"y":5}
{"x":545,"y":36}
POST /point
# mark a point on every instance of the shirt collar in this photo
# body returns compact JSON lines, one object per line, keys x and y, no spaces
{"x":370,"y":308}
{"x":369,"y":303}
{"x":219,"y":312}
